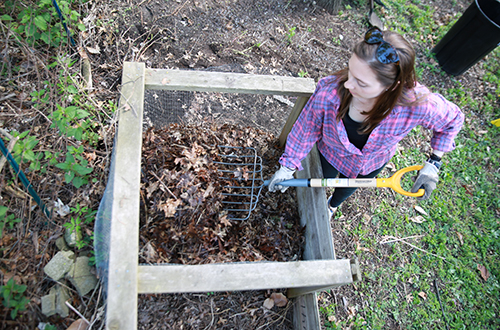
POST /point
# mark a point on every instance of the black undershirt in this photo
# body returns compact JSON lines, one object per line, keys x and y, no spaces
{"x":352,"y":127}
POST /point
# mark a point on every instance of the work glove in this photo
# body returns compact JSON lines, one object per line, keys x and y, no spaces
{"x":284,"y":173}
{"x":427,"y":179}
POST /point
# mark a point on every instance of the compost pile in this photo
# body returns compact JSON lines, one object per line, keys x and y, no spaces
{"x":182,"y":215}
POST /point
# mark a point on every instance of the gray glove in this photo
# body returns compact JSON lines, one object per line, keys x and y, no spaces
{"x":284,"y":173}
{"x":427,"y":179}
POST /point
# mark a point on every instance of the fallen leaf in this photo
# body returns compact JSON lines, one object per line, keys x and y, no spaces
{"x":420,"y":210}
{"x":170,"y":207}
{"x":418,"y":219}
{"x":460,"y":238}
{"x":422,"y":295}
{"x":268,"y":303}
{"x":93,"y":50}
{"x":80,"y":324}
{"x":279,"y":299}
{"x":485,"y":274}
{"x":225,"y":221}
{"x":60,"y":208}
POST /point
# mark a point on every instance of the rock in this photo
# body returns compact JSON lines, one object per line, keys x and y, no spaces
{"x":54,"y":302}
{"x":49,"y":305}
{"x":59,"y":265}
{"x":61,"y":244}
{"x":81,"y":277}
{"x":72,"y":237}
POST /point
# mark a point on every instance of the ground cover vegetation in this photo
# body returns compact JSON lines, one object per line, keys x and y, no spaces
{"x":425,"y":264}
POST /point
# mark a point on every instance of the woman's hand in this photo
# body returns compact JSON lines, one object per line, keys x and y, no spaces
{"x":284,"y":173}
{"x":427,"y":179}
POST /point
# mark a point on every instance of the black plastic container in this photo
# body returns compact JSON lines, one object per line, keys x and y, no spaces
{"x":472,"y":37}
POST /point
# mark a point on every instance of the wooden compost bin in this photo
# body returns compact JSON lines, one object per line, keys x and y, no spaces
{"x":127,"y":279}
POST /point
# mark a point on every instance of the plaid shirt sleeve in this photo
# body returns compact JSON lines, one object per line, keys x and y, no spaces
{"x":317,"y":124}
{"x":307,"y":130}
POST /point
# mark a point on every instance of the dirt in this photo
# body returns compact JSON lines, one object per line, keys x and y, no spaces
{"x":276,"y":37}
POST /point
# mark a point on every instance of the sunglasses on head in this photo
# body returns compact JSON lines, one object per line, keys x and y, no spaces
{"x":385,"y":52}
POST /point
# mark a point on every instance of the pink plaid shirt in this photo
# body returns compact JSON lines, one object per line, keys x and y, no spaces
{"x":317,"y":124}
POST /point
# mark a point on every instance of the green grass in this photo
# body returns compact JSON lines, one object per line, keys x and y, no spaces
{"x":461,"y":230}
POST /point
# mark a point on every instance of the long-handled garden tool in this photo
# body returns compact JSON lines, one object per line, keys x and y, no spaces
{"x":242,"y":170}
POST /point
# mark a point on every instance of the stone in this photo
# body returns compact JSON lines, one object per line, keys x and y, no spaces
{"x":49,"y":304}
{"x":80,"y":275}
{"x":61,"y":297}
{"x":55,"y":302}
{"x":61,"y":244}
{"x":72,"y":237}
{"x":59,"y":265}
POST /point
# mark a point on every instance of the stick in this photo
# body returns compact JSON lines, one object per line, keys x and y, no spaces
{"x":12,"y":142}
{"x":77,"y":312}
{"x":441,"y":304}
{"x":415,"y":247}
{"x":400,"y":239}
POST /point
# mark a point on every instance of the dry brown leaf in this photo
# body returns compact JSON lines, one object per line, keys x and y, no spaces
{"x":420,"y":210}
{"x":279,"y":299}
{"x":170,"y":207}
{"x":418,"y":219}
{"x":485,"y":274}
{"x":460,"y":238}
{"x":152,"y":188}
{"x":268,"y":303}
{"x":422,"y":295}
{"x":80,"y":324}
{"x":225,"y":221}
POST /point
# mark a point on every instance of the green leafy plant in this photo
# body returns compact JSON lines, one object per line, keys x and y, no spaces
{"x":75,"y":167}
{"x":7,"y":220}
{"x":302,"y":73}
{"x":23,"y":151}
{"x":83,"y":216}
{"x":40,"y":24}
{"x":290,"y":34}
{"x":71,"y":122}
{"x":13,"y":297}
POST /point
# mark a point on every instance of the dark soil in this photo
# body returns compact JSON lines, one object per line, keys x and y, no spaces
{"x":274,"y":37}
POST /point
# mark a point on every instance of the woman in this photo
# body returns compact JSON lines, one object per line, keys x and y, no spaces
{"x":358,"y":115}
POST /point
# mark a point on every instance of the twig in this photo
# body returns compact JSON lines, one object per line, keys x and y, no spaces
{"x":77,"y":312}
{"x":415,"y":247}
{"x":211,"y":312}
{"x":176,"y":11}
{"x":164,"y":185}
{"x":12,"y":142}
{"x":329,"y":46}
{"x":441,"y":304}
{"x":400,"y":239}
{"x":7,"y":97}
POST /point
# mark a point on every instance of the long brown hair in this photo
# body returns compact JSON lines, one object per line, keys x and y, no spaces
{"x":398,"y":79}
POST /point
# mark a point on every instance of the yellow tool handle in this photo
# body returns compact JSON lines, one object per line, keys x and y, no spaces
{"x":394,"y":182}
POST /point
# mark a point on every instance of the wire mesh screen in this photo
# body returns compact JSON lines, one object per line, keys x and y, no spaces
{"x":267,"y":112}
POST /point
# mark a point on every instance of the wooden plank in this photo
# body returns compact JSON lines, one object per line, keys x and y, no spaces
{"x":319,"y":242}
{"x":124,"y":234}
{"x":242,"y":276}
{"x":226,"y":82}
{"x":306,"y":312}
{"x":314,"y":213}
{"x":292,"y":118}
